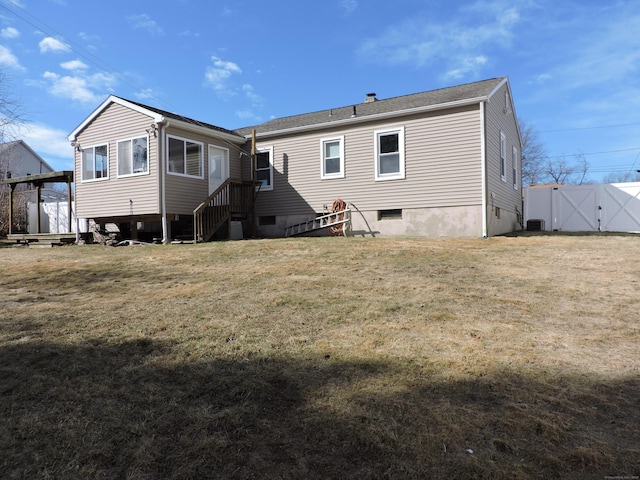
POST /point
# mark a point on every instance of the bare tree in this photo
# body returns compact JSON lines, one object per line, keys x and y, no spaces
{"x":10,"y":121}
{"x":533,"y":155}
{"x":622,"y":177}
{"x":561,"y":171}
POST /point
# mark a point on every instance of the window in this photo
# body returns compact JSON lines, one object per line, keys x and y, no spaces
{"x":184,"y":157}
{"x":95,"y":162}
{"x":264,"y":168}
{"x":389,"y":154}
{"x":503,"y":160}
{"x":515,"y":168}
{"x":133,"y":156}
{"x":332,"y":154}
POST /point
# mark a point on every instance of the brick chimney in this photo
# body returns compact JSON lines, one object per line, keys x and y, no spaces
{"x":371,"y":97}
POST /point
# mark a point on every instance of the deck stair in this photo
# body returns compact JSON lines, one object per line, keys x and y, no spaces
{"x":233,"y":199}
{"x":338,"y":221}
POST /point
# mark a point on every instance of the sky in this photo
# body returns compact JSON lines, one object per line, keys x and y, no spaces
{"x":573,"y":66}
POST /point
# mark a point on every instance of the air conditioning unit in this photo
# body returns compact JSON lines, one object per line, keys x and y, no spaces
{"x":535,"y":225}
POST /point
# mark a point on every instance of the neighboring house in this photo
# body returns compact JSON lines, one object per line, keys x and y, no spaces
{"x":17,"y":159}
{"x":439,"y":163}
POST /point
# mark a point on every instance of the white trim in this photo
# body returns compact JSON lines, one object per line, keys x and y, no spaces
{"x":503,"y":156}
{"x":497,"y":88}
{"x":266,"y":188}
{"x":132,"y":174}
{"x":401,"y":172}
{"x":157,"y":118}
{"x":225,"y":165}
{"x":82,"y":169}
{"x":185,"y":140}
{"x":323,"y":142}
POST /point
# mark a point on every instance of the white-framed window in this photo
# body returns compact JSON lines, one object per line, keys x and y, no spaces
{"x":184,"y":157}
{"x":332,"y":158}
{"x":503,"y":157}
{"x":133,"y":156}
{"x":514,"y":154}
{"x":264,"y":168}
{"x":95,"y":162}
{"x":389,"y":152}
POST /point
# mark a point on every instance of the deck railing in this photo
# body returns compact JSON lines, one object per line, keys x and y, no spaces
{"x":233,"y":197}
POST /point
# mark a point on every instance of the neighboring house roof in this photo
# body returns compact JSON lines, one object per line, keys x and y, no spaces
{"x":430,"y":100}
{"x":8,"y":147}
{"x":158,"y":116}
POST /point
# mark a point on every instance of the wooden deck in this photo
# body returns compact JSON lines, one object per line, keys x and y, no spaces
{"x":42,"y":239}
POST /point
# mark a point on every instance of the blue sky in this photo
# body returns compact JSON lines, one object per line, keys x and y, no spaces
{"x":574,"y":66}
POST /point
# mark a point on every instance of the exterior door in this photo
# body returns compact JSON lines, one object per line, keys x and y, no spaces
{"x":218,"y":167}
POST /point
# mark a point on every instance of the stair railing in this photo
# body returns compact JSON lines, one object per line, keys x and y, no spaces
{"x":233,"y":197}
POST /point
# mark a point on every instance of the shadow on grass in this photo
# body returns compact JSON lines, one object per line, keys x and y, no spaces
{"x":125,"y":410}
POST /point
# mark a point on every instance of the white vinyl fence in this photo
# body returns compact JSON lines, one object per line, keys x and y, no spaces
{"x":613,"y":207}
{"x":54,"y":217}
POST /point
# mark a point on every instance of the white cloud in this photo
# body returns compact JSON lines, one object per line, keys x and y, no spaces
{"x":49,"y":142}
{"x":50,"y":44}
{"x":146,"y":94}
{"x":459,"y":45}
{"x":82,"y":89}
{"x":349,"y":6}
{"x":74,"y":65}
{"x":144,"y":22}
{"x":217,"y":76}
{"x":247,"y":115}
{"x":9,"y":32}
{"x":8,"y":59}
{"x":469,"y":66}
{"x":249,"y":92}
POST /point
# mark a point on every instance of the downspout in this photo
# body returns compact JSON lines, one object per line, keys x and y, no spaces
{"x":163,"y":195}
{"x":483,"y":163}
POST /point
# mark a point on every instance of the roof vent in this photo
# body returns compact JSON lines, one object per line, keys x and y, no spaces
{"x":371,"y":97}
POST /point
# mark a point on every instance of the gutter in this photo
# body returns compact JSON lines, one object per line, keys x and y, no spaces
{"x":369,"y":118}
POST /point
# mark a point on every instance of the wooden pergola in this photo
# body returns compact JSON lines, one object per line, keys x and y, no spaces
{"x":38,"y":181}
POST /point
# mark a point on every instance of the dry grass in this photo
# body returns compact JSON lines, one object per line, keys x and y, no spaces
{"x":322,"y":358}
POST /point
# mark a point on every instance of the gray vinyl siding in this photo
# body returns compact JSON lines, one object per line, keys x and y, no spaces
{"x":184,"y":194}
{"x":505,"y":196}
{"x":442,"y":166}
{"x":117,"y":196}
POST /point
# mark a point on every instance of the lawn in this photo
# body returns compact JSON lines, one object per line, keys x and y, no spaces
{"x":322,"y":358}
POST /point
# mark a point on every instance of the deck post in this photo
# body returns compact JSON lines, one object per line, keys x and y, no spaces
{"x":69,"y":210}
{"x":12,"y":187}
{"x":38,"y":207}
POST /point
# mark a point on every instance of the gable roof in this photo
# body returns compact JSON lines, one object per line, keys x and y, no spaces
{"x":431,"y":100}
{"x":157,"y":116}
{"x":10,"y":146}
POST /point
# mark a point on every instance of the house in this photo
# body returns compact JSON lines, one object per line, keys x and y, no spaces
{"x":440,"y":163}
{"x":19,"y":160}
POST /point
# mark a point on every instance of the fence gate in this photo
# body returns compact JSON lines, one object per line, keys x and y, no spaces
{"x":612,"y":207}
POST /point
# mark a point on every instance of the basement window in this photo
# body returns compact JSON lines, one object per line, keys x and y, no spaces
{"x":267,"y":220}
{"x":392,"y":214}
